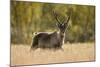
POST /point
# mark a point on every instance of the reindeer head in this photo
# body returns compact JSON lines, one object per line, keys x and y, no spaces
{"x":62,"y":25}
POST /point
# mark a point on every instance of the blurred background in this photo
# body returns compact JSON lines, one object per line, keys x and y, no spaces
{"x":30,"y":17}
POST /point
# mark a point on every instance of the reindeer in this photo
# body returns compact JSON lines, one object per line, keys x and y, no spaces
{"x":54,"y":40}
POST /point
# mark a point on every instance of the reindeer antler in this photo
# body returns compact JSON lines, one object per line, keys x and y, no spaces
{"x":55,"y":16}
{"x":65,"y":20}
{"x":68,"y":19}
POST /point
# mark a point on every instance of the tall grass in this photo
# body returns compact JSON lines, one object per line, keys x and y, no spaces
{"x":21,"y":55}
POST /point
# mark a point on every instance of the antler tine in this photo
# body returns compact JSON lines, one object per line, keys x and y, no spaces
{"x":66,"y":22}
{"x":68,"y":19}
{"x":63,"y":20}
{"x":69,"y":14}
{"x":55,"y":15}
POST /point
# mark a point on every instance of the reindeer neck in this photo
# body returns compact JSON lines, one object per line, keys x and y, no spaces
{"x":61,"y":34}
{"x":61,"y":37}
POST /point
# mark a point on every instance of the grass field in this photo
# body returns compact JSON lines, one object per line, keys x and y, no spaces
{"x":21,"y":55}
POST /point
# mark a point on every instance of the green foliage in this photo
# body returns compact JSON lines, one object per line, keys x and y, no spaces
{"x":30,"y":17}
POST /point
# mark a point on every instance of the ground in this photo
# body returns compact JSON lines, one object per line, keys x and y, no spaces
{"x":21,"y":54}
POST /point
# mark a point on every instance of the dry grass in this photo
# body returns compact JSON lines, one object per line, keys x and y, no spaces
{"x":21,"y":55}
